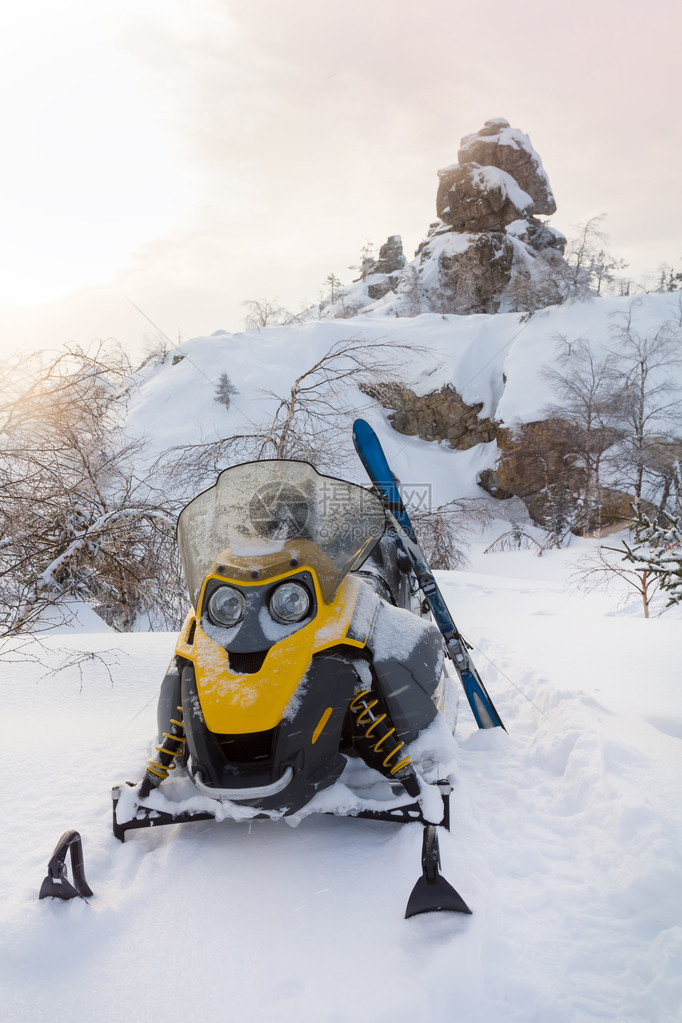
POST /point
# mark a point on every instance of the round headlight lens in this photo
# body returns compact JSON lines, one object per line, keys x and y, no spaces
{"x":226,"y":606}
{"x":290,"y":602}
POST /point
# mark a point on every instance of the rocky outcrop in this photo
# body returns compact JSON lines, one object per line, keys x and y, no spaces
{"x":391,"y":256}
{"x":473,"y":198}
{"x":539,"y":462}
{"x":488,"y":251}
{"x":378,"y":288}
{"x":462,"y":273}
{"x":440,"y":416}
{"x":499,"y":145}
{"x":490,"y":201}
{"x":385,"y":275}
{"x":533,"y":457}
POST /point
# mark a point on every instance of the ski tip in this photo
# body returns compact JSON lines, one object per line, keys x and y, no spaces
{"x":361,"y":428}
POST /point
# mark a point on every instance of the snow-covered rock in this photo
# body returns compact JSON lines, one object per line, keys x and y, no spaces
{"x":488,"y":252}
{"x":499,"y":145}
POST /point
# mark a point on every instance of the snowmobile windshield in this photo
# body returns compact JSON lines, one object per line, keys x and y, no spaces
{"x":259,"y":509}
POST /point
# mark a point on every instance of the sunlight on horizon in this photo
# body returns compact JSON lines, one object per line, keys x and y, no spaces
{"x":90,"y":170}
{"x":191,"y":156}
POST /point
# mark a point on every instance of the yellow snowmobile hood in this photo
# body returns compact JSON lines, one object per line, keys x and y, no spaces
{"x":240,"y":704}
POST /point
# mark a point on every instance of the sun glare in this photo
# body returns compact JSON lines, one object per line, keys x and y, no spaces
{"x":89,"y":170}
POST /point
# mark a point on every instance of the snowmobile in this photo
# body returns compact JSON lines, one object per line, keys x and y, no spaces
{"x":308,"y":675}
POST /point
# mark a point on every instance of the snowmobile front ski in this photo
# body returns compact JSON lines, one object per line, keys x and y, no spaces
{"x":432,"y":892}
{"x":56,"y":885}
{"x":372,"y":456}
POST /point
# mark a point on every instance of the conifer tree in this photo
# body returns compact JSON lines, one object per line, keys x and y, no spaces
{"x":657,"y":548}
{"x":225,"y":390}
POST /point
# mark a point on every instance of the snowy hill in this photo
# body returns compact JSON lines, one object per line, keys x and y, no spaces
{"x":496,"y":361}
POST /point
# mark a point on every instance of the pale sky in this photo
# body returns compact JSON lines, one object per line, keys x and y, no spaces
{"x":187,"y":155}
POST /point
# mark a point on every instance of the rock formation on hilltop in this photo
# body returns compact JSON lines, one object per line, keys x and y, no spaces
{"x":488,"y":245}
{"x":388,"y":267}
{"x":509,"y":150}
{"x":487,"y":252}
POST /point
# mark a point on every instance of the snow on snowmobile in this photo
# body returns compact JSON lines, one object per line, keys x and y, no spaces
{"x":305,"y":677}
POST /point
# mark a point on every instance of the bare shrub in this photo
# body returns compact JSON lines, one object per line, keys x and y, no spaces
{"x":606,"y":566}
{"x":649,"y":407}
{"x":265,"y":312}
{"x":515,"y":539}
{"x":443,"y":531}
{"x":76,"y":522}
{"x":590,"y":268}
{"x":590,"y":397}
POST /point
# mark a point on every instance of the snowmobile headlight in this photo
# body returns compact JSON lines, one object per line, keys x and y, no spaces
{"x":290,"y":602}
{"x":226,"y":606}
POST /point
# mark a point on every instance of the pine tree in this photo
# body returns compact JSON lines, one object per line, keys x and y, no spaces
{"x":225,"y":390}
{"x":657,"y":548}
{"x":334,"y":285}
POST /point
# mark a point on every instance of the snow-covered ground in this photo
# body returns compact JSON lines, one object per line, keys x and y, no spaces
{"x":565,"y":842}
{"x":566,"y":832}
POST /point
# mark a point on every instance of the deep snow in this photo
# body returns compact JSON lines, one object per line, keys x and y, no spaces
{"x":565,"y":842}
{"x":566,"y":831}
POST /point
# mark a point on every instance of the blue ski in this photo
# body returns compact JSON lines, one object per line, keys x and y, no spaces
{"x":374,"y":460}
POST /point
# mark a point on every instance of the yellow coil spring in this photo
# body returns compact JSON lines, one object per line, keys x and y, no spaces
{"x":162,"y":765}
{"x":363,"y":708}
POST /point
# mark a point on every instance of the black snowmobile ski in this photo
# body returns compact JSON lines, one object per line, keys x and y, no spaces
{"x":432,"y":892}
{"x":56,"y":884}
{"x":372,"y":455}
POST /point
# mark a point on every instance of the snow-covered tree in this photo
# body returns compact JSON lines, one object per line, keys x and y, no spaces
{"x":656,"y":549}
{"x":589,"y":397}
{"x":591,"y":270}
{"x":646,"y":561}
{"x":76,"y":521}
{"x":334,"y":284}
{"x":367,"y":262}
{"x":650,"y":409}
{"x":669,"y":279}
{"x":225,"y":390}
